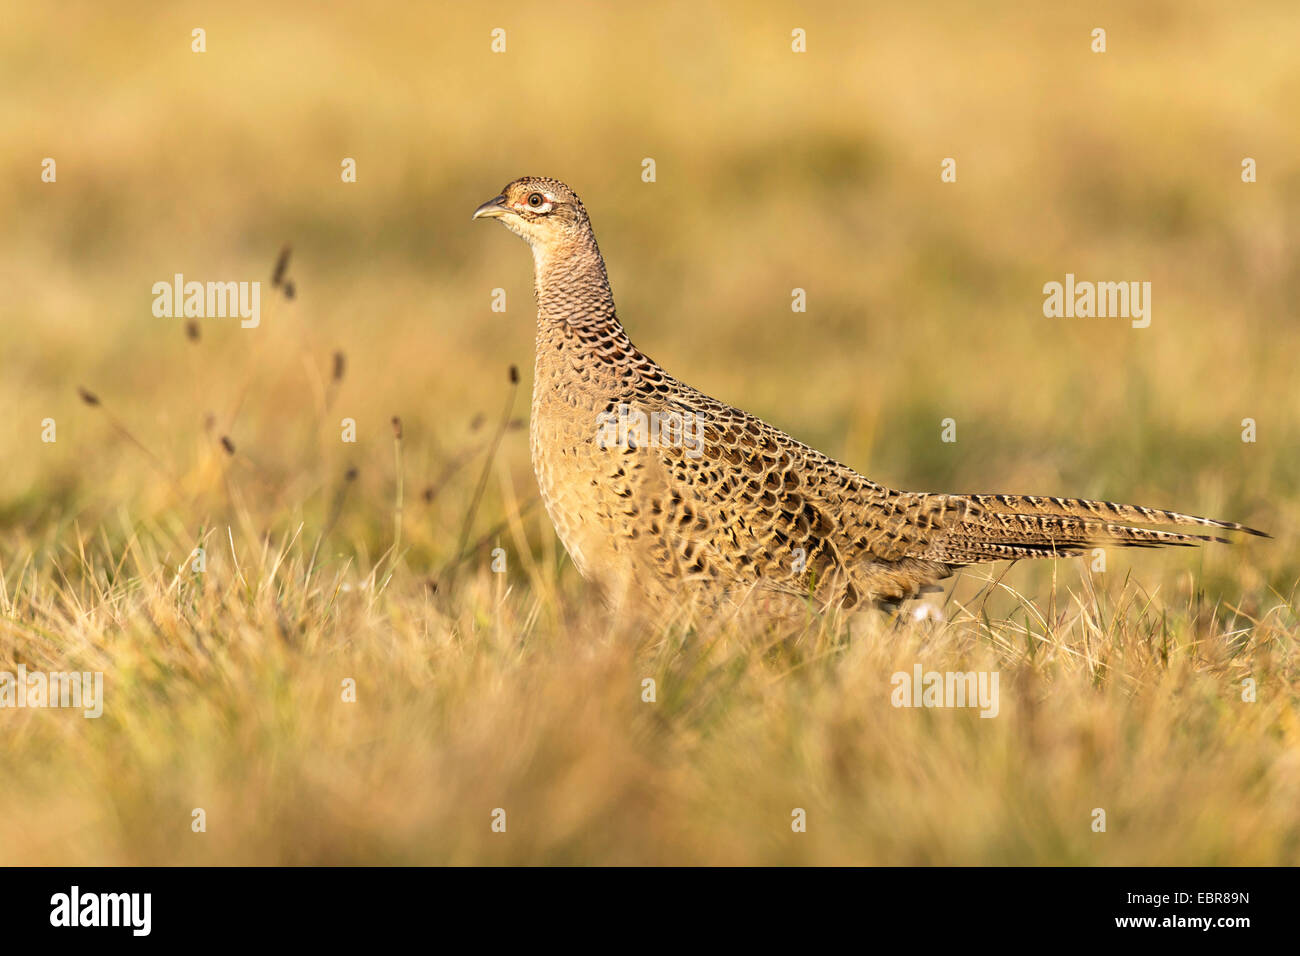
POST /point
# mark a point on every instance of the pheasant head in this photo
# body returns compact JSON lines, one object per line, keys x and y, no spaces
{"x":544,"y":211}
{"x":569,"y":271}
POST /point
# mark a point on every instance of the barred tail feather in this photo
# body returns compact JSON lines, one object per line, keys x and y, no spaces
{"x":1009,"y":527}
{"x":1102,"y":510}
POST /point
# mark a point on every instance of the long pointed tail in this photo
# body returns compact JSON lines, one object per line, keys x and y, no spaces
{"x":998,"y":527}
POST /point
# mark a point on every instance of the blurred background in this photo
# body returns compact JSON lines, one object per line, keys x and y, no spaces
{"x":774,"y":171}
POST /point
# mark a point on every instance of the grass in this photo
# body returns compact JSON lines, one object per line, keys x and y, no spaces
{"x":225,"y":692}
{"x":326,"y":561}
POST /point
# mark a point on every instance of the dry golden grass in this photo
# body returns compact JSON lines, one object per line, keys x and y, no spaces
{"x":224,"y":692}
{"x":517,"y":690}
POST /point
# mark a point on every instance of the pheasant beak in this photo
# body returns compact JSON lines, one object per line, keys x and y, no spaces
{"x":496,"y":206}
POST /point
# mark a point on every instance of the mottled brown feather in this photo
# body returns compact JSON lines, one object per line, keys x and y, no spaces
{"x":757,"y":514}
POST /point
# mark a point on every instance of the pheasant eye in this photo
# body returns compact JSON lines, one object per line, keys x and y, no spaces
{"x":536,"y":199}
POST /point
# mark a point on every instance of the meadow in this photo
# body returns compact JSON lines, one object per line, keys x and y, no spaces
{"x":381,"y":641}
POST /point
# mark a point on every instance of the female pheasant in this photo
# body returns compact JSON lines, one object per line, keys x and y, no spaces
{"x":658,"y":490}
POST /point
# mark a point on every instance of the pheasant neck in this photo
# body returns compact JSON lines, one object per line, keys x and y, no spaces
{"x":573,"y":290}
